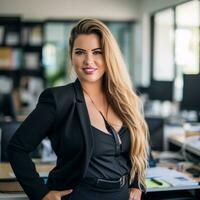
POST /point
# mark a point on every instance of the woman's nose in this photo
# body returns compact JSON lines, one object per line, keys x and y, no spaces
{"x":89,"y":59}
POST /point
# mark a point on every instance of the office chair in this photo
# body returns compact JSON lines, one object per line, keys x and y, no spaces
{"x":7,"y":129}
{"x":151,"y":161}
{"x":7,"y":107}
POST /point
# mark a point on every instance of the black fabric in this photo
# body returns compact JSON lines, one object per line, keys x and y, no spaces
{"x":114,"y":134}
{"x":105,"y":162}
{"x":85,"y":191}
{"x":61,"y":115}
{"x":107,"y":184}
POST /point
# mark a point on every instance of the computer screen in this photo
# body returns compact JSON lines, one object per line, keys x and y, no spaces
{"x":161,"y":90}
{"x":191,"y":92}
{"x":156,"y":128}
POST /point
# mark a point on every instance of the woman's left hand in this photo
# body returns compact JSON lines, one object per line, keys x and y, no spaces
{"x":135,"y":194}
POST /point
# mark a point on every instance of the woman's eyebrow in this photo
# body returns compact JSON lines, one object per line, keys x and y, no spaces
{"x":96,"y":49}
{"x":79,"y":49}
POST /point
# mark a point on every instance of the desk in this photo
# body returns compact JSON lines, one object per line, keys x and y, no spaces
{"x":173,"y":188}
{"x":5,"y":173}
{"x":9,"y":184}
{"x":179,"y":141}
{"x":171,"y":191}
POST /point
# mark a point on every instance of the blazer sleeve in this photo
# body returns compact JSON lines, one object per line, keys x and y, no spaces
{"x":35,"y":128}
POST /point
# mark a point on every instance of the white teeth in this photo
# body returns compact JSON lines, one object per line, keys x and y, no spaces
{"x":89,"y":69}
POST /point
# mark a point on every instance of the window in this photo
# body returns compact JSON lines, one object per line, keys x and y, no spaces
{"x":163,"y":46}
{"x":187,"y":37}
{"x":175,"y":46}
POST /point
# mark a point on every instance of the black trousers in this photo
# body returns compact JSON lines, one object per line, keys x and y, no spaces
{"x":85,"y":191}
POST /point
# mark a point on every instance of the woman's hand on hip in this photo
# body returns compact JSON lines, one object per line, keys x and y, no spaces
{"x":135,"y":194}
{"x":56,"y":195}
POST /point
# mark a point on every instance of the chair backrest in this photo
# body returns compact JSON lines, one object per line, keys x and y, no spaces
{"x":7,"y":131}
{"x":7,"y":107}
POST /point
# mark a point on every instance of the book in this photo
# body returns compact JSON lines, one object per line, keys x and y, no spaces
{"x":31,"y":60}
{"x":35,"y":35}
{"x":10,"y":58}
{"x":12,"y":38}
{"x":2,"y":31}
{"x":5,"y":58}
{"x":16,"y":58}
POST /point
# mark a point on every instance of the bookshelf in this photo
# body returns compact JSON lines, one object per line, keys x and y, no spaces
{"x":21,"y":44}
{"x":10,"y":44}
{"x":32,"y":44}
{"x":33,"y":54}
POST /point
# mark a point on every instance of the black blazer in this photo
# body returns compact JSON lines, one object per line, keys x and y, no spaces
{"x":61,"y":115}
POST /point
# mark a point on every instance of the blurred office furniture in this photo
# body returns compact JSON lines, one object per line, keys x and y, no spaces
{"x":189,"y":146}
{"x":155,"y":125}
{"x":7,"y":107}
{"x":161,"y":90}
{"x":7,"y":129}
{"x":21,"y":45}
{"x":9,"y":186}
{"x":151,"y":160}
{"x":191,"y":95}
{"x":47,"y":153}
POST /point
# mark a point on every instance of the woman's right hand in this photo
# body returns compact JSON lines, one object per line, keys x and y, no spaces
{"x":56,"y":195}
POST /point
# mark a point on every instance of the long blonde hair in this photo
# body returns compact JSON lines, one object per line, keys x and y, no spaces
{"x":120,"y":94}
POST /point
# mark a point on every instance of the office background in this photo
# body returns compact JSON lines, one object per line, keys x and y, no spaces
{"x":160,"y":41}
{"x":148,"y":31}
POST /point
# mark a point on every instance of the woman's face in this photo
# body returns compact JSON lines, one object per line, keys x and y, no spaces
{"x":87,"y":58}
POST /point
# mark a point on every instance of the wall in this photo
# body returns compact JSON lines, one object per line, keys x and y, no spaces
{"x":42,"y":9}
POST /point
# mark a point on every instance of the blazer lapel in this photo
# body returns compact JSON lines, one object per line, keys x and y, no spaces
{"x":85,"y":122}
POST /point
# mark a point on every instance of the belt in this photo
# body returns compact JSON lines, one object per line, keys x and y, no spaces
{"x":107,"y":183}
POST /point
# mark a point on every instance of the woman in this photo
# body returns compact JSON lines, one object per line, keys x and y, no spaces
{"x":94,"y":125}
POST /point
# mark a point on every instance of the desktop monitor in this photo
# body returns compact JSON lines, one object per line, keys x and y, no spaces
{"x":161,"y":90}
{"x":191,"y":92}
{"x":156,"y":129}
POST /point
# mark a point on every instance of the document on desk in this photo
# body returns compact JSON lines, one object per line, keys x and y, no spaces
{"x":170,"y":176}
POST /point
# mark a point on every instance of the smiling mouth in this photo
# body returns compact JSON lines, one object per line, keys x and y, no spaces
{"x":89,"y":70}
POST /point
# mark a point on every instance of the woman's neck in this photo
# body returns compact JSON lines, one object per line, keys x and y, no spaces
{"x":93,"y":89}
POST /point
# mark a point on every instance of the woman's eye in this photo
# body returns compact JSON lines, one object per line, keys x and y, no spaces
{"x":97,"y":52}
{"x":79,"y":52}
